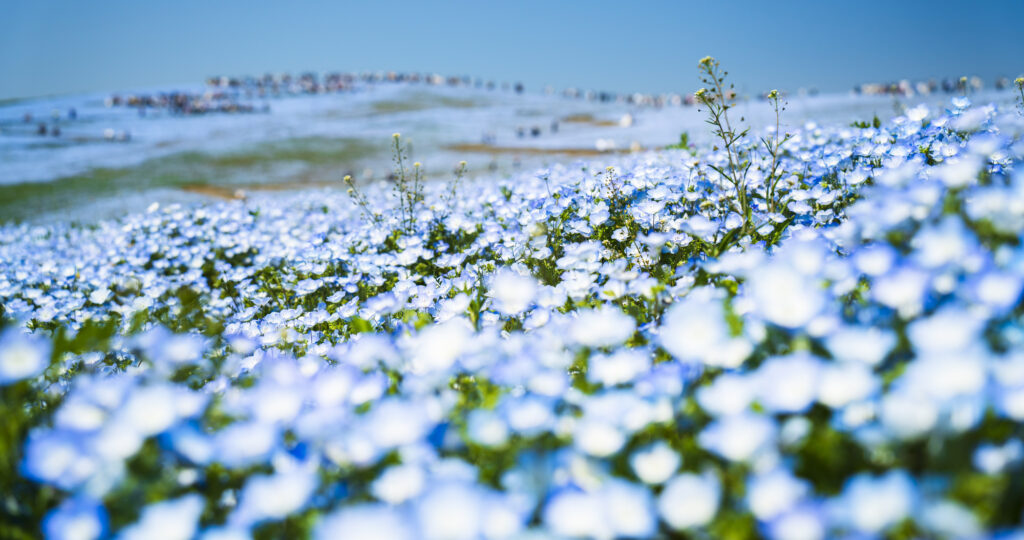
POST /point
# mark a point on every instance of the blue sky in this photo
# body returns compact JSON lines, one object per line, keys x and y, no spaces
{"x":54,"y":47}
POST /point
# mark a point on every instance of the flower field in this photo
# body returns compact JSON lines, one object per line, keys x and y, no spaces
{"x":637,"y":347}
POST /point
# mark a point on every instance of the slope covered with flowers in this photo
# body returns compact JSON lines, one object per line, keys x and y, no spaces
{"x":580,"y":352}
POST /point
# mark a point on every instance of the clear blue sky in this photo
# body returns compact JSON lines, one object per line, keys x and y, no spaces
{"x":54,"y":47}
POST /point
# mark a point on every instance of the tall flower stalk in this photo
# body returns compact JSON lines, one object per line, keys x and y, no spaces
{"x":717,"y":101}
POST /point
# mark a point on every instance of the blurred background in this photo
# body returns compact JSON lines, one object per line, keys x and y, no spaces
{"x":108,"y":107}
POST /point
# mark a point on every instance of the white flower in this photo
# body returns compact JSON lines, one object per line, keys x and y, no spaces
{"x":738,"y":437}
{"x":959,"y":172}
{"x":948,"y":330}
{"x":502,"y":517}
{"x":844,"y":383}
{"x":149,"y":409}
{"x":576,"y":514}
{"x":99,"y":296}
{"x":784,"y":296}
{"x":655,"y":464}
{"x":906,"y":415}
{"x":175,"y":519}
{"x":945,"y":376}
{"x":76,"y":519}
{"x":902,"y":290}
{"x":602,"y":327}
{"x":487,"y":428}
{"x":393,"y":422}
{"x":951,"y":520}
{"x":694,"y":329}
{"x":873,"y":504}
{"x":729,"y":393}
{"x":689,"y":500}
{"x":450,"y":510}
{"x":799,"y":524}
{"x":856,"y":344}
{"x":244,"y":443}
{"x":22,"y":355}
{"x":399,"y":483}
{"x":788,"y":384}
{"x":629,"y":509}
{"x":275,"y":496}
{"x":615,"y":509}
{"x":598,"y":438}
{"x":773,"y":493}
{"x":874,"y":259}
{"x":512,"y":293}
{"x":365,"y":522}
{"x":331,"y":386}
{"x":437,"y":347}
{"x":619,"y":367}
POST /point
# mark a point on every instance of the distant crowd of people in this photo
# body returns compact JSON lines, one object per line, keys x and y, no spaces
{"x":238,"y":94}
{"x":184,"y":103}
{"x":312,"y":83}
{"x":931,"y":86}
{"x":51,"y":128}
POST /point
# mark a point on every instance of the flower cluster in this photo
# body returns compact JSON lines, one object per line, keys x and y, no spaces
{"x":579,"y":352}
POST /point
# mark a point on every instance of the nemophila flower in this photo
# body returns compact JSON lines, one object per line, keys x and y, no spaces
{"x":874,"y":259}
{"x":629,"y":509}
{"x":225,"y":533}
{"x":528,"y":415}
{"x":244,"y":443}
{"x":784,"y":296}
{"x":153,"y":409}
{"x":171,"y":520}
{"x":689,"y":500}
{"x":788,"y":384}
{"x":395,"y":422}
{"x":487,"y":428}
{"x":906,"y":414}
{"x":438,"y":346}
{"x":655,"y":464}
{"x":738,"y":437}
{"x":615,"y":509}
{"x":946,"y":331}
{"x":366,"y":522}
{"x":950,"y":519}
{"x":165,"y":348}
{"x":399,"y":483}
{"x":512,"y":293}
{"x":773,"y":493}
{"x":857,"y":344}
{"x":274,"y":496}
{"x":1000,"y":291}
{"x":802,"y":523}
{"x":22,"y":355}
{"x":844,"y":383}
{"x":602,"y":327}
{"x":871,"y":504}
{"x":76,"y":519}
{"x":57,"y":457}
{"x":191,"y":444}
{"x":99,"y":296}
{"x":576,"y":514}
{"x":695,"y":330}
{"x":451,"y":510}
{"x":618,"y":368}
{"x":903,"y":290}
{"x":598,"y":438}
{"x":993,"y":459}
